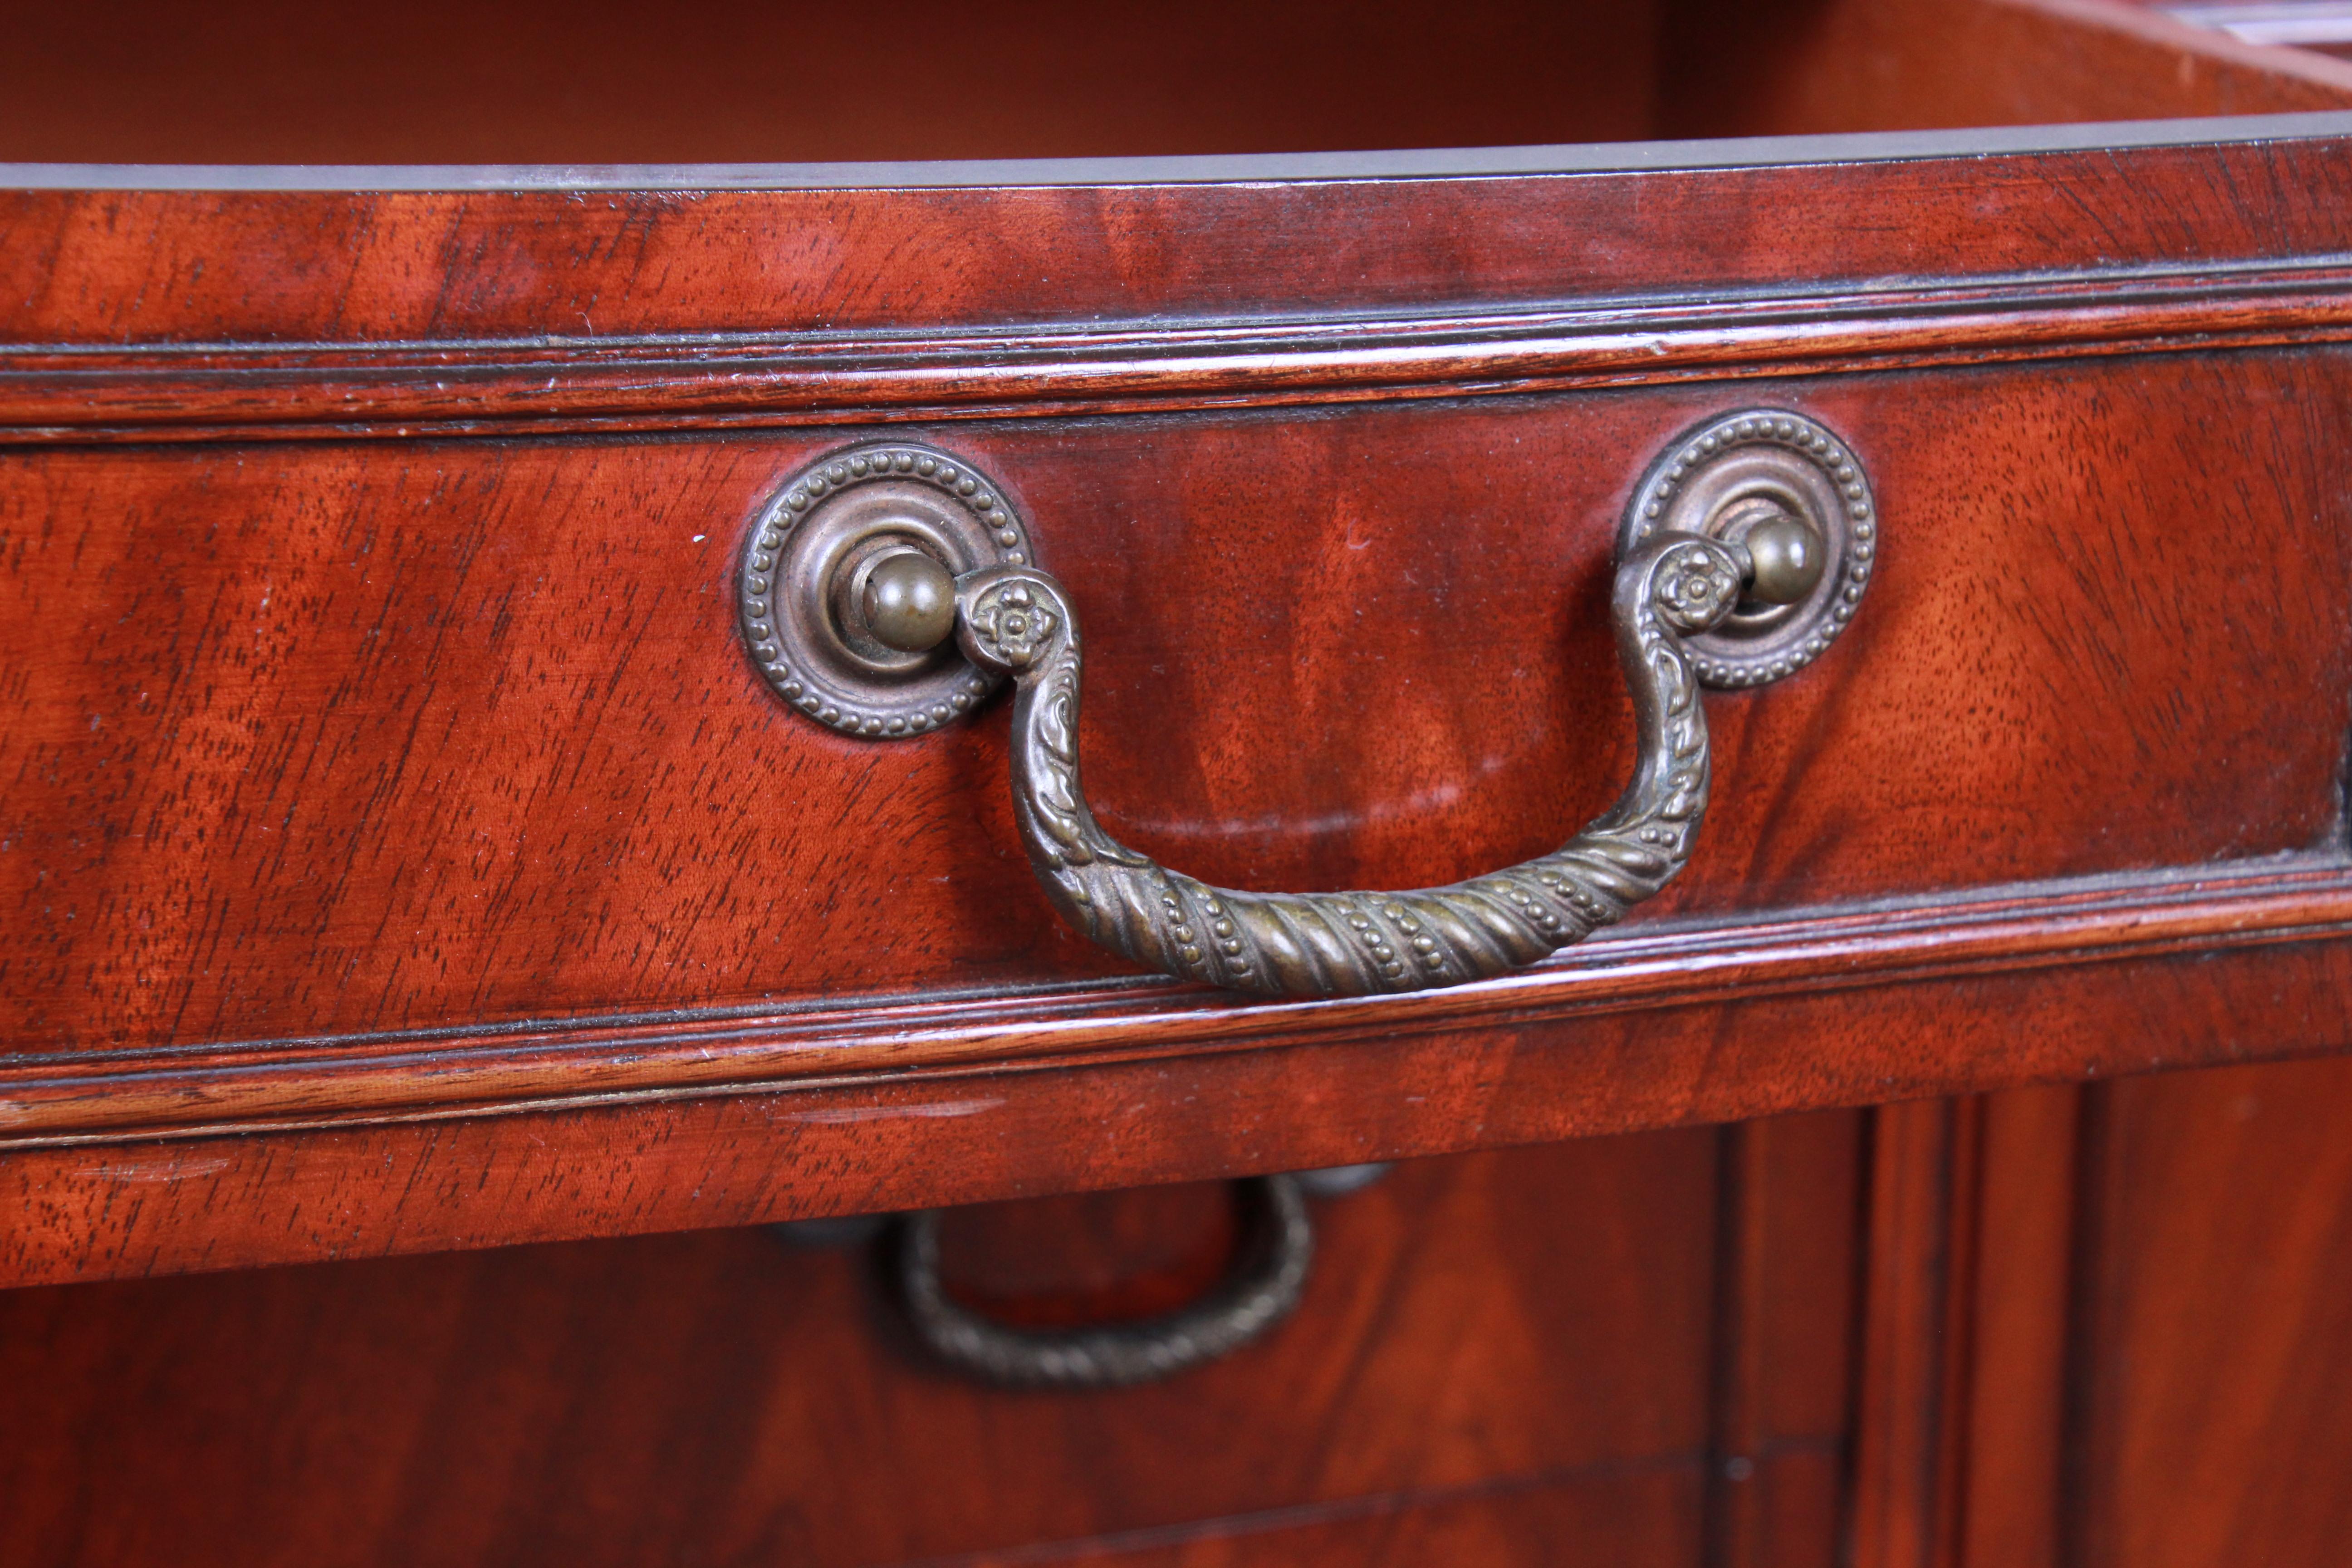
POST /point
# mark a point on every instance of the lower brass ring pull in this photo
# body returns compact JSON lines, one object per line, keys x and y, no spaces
{"x":1262,"y":1290}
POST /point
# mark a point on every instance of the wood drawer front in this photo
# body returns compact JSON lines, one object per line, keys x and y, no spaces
{"x":381,"y":749}
{"x":1499,"y":1351}
{"x":357,"y":739}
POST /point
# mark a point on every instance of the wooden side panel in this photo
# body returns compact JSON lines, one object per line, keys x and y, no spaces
{"x":1501,"y":1358}
{"x":1789,"y":1253}
{"x":2010,"y":1478}
{"x":2214,"y":1362}
{"x":1959,"y":1431}
{"x":2106,"y":1327}
{"x":1911,"y":1389}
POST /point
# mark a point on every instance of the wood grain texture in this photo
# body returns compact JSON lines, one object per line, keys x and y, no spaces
{"x":134,"y":1207}
{"x":519,"y":654}
{"x":150,"y":82}
{"x":342,"y":746}
{"x":355,"y":780}
{"x":1789,"y":1258}
{"x":1502,"y":1527}
{"x":2103,"y":1325}
{"x":647,"y":383}
{"x":1671,"y":966}
{"x":1883,"y":65}
{"x":1960,"y":1455}
{"x":385,"y":775}
{"x":2214,"y":1349}
{"x":2011,"y":1483}
{"x":288,"y":269}
{"x":1500,"y":1355}
{"x":1910,"y":1396}
{"x":396,"y":855}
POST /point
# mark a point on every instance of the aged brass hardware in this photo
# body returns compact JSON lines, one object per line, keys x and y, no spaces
{"x":1744,"y":552}
{"x":908,"y":600}
{"x":1018,"y":621}
{"x":1278,"y":1245}
{"x":826,"y":582}
{"x":1262,"y":1288}
{"x":1784,"y":561}
{"x":1746,"y":478}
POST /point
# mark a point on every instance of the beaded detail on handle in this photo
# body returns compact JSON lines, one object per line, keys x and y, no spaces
{"x":1016,"y":620}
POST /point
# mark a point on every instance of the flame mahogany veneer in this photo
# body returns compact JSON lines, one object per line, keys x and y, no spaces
{"x":404,"y":804}
{"x":398,"y":855}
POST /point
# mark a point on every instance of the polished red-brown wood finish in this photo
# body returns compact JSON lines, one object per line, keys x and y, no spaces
{"x":1988,"y":1333}
{"x":144,"y":81}
{"x":2109,"y":1331}
{"x":469,"y":739}
{"x":332,"y":754}
{"x":1494,"y":1352}
{"x":399,"y":855}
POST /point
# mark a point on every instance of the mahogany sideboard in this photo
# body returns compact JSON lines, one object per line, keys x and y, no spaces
{"x":446,"y":928}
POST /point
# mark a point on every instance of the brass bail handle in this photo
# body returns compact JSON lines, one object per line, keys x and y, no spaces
{"x":1763,"y":556}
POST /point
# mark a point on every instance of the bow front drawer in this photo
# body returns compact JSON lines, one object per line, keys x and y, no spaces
{"x":548,"y":703}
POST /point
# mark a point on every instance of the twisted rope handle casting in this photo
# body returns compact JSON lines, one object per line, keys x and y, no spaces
{"x":1018,"y":620}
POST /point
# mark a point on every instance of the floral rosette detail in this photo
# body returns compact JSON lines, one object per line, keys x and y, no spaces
{"x":1695,"y":588}
{"x":1014,"y":623}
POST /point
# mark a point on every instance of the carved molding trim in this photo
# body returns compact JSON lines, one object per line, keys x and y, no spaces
{"x":102,"y":1096}
{"x":723,"y":382}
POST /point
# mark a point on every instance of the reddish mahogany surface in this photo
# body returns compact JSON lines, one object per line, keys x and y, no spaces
{"x":366,"y":664}
{"x":1491,"y":1349}
{"x":1880,"y":65}
{"x":2104,"y":1326}
{"x":2214,"y":1343}
{"x":275,"y":271}
{"x":128,"y":1208}
{"x":323,"y":740}
{"x":725,"y":80}
{"x":721,"y":80}
{"x":1497,"y":1353}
